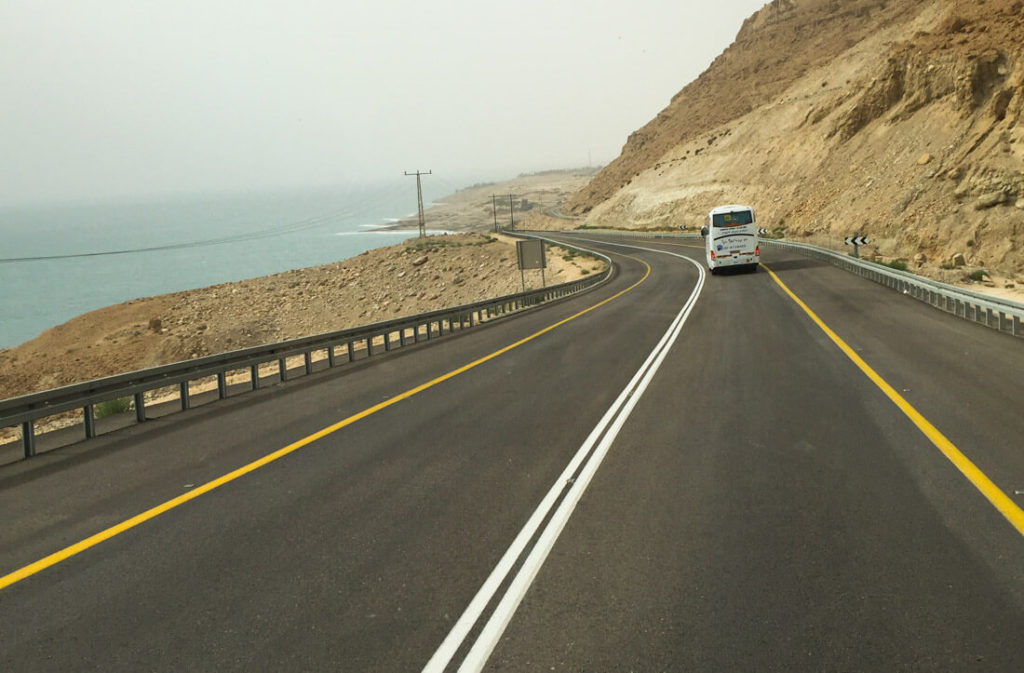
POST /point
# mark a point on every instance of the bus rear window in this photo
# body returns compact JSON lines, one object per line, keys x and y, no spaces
{"x":733,"y":219}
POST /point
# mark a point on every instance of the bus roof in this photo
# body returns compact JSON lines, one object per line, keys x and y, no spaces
{"x":729,"y":209}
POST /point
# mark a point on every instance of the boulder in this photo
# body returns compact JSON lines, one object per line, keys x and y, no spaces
{"x":958,"y":259}
{"x":989,"y":200}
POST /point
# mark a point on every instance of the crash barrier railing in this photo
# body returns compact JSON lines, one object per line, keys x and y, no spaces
{"x":997,"y":313}
{"x":340,"y":347}
{"x":1000,"y":314}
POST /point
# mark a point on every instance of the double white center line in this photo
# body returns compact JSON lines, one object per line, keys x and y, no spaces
{"x":565,"y":494}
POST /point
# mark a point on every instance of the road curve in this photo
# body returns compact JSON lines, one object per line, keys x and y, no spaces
{"x":763,"y":506}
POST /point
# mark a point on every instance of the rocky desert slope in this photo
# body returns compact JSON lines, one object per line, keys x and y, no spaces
{"x":897,"y":120}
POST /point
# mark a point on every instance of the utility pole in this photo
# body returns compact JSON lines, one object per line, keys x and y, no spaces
{"x":494,"y":211}
{"x":511,"y":217}
{"x":419,"y":199}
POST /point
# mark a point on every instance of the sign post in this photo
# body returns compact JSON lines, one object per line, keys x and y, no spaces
{"x":531,"y":255}
{"x":856,"y":241}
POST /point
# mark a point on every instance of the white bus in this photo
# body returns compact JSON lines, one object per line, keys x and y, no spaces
{"x":730,"y":238}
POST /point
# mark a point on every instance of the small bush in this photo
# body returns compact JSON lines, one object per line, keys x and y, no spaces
{"x":779,"y":230}
{"x":113,"y":407}
{"x":977,"y":275}
{"x":897,"y":264}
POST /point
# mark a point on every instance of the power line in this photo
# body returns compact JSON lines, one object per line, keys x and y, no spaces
{"x":280,"y":230}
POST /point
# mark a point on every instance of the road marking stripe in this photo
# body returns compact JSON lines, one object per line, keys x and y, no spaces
{"x":606,"y":431}
{"x":93,"y":540}
{"x":978,"y":479}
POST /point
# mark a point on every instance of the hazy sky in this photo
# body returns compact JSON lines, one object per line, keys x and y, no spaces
{"x":107,"y":98}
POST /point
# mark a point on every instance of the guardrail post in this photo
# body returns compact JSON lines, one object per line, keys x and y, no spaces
{"x":89,"y":421}
{"x":308,"y":361}
{"x":183,"y":395}
{"x":254,"y":376}
{"x":140,"y":408}
{"x":401,"y":337}
{"x":387,"y":341}
{"x":351,"y":352}
{"x":989,"y":315}
{"x":330,"y":355}
{"x":28,"y":438}
{"x":222,"y":385}
{"x":1004,"y":323}
{"x":282,"y":369}
{"x":369,"y":346}
{"x":1015,"y":328}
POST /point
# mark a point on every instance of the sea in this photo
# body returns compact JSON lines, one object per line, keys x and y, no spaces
{"x":59,"y":261}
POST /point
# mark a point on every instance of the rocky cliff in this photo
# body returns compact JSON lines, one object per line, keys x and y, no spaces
{"x":899,"y":120}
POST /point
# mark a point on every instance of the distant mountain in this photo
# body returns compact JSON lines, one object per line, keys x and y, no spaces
{"x":894,"y":119}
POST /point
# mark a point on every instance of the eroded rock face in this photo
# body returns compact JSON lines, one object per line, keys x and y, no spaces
{"x":774,"y":48}
{"x":897,"y":120}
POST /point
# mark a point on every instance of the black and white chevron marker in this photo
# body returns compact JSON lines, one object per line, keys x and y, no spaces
{"x":856,"y":240}
{"x":762,"y":231}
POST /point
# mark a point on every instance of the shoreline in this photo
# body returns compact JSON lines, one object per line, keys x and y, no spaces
{"x":379,"y":283}
{"x":263,"y":237}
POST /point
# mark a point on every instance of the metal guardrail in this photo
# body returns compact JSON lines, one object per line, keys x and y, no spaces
{"x":1000,"y":314}
{"x":997,"y":313}
{"x":340,"y":347}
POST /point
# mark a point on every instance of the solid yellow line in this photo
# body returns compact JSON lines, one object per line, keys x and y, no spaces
{"x":978,"y":479}
{"x":93,"y":540}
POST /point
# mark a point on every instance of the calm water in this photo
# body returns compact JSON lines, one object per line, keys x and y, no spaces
{"x":204,"y":241}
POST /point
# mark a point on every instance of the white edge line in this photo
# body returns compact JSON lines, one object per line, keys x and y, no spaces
{"x":443,"y":655}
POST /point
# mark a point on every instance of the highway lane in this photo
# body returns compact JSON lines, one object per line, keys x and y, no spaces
{"x":767,"y":508}
{"x":788,"y":518}
{"x":357,"y":551}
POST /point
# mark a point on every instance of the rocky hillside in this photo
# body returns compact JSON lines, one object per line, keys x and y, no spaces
{"x":899,"y":120}
{"x":415,"y":277}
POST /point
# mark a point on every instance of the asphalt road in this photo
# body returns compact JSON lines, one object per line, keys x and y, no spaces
{"x":755,"y":502}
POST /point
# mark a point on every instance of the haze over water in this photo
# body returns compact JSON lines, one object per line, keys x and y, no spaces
{"x":206,"y":240}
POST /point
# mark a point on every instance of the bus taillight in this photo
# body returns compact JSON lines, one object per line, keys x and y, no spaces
{"x":757,"y":251}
